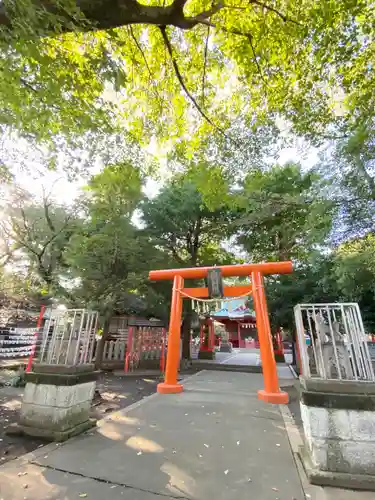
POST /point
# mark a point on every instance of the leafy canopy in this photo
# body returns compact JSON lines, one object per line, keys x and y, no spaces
{"x":283,"y":213}
{"x":181,"y":222}
{"x":181,"y":70}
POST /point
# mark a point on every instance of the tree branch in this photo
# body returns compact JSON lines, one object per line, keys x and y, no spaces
{"x":181,"y":80}
{"x":275,"y":11}
{"x":147,"y":65}
{"x":205,"y":64}
{"x":47,"y":215}
{"x":28,"y":85}
{"x":176,"y":256}
{"x":250,"y":38}
{"x":178,"y":5}
{"x":210,"y":12}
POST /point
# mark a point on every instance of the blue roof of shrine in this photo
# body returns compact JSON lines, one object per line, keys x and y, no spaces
{"x":234,"y":309}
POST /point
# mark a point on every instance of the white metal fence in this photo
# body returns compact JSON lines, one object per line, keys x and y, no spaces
{"x":332,"y":342}
{"x":70,"y":338}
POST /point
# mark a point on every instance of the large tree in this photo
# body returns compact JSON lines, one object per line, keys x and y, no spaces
{"x":181,"y":222}
{"x":35,"y":234}
{"x":350,"y":172}
{"x":184,"y":68}
{"x":110,"y":257}
{"x":354,"y":270}
{"x":284,"y":213}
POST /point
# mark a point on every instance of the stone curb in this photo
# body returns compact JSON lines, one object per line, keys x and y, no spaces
{"x":313,"y":481}
{"x":295,"y":439}
{"x":335,"y":479}
{"x":294,"y":373}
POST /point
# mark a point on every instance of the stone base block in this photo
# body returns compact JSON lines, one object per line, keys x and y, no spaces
{"x":226,"y":347}
{"x":348,"y":481}
{"x":206,"y":355}
{"x":57,"y":403}
{"x":18,"y":429}
{"x":339,"y":430}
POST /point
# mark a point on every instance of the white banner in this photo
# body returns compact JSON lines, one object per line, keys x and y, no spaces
{"x":20,"y":354}
{"x":16,"y":336}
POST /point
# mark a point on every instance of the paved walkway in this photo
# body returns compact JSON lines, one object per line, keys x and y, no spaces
{"x":215,"y":440}
{"x":244,"y":356}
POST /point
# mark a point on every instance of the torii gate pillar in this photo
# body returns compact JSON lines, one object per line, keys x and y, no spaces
{"x":271,"y":392}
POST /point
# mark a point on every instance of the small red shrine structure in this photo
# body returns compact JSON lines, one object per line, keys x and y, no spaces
{"x":239,"y":321}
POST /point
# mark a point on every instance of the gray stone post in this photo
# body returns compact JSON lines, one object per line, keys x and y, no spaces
{"x":339,"y":426}
{"x":57,"y":401}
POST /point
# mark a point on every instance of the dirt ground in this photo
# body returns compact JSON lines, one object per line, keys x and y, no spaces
{"x":115,"y":393}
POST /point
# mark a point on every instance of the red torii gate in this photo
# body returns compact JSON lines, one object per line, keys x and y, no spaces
{"x":271,"y":392}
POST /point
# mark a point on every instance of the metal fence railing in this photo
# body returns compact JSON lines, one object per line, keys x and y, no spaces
{"x":332,"y":342}
{"x":70,"y":338}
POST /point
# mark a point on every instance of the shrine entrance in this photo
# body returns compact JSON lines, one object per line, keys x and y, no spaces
{"x":216,"y":289}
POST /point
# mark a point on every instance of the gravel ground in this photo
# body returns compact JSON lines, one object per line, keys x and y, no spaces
{"x":115,"y":393}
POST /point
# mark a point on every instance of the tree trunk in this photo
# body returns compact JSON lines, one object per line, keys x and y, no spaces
{"x":185,"y":334}
{"x":100,"y":348}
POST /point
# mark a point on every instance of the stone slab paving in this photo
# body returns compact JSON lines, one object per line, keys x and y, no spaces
{"x":25,"y":481}
{"x":215,"y":440}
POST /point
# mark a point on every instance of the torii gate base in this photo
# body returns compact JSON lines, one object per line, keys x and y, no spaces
{"x":271,"y":392}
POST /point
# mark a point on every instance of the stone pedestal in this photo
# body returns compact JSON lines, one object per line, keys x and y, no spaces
{"x":206,"y":354}
{"x":339,"y":426}
{"x":226,"y":347}
{"x":57,"y":401}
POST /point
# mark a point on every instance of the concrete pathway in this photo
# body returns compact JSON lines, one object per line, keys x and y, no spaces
{"x":215,"y":440}
{"x":242,"y":356}
{"x":251,"y":357}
